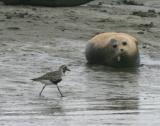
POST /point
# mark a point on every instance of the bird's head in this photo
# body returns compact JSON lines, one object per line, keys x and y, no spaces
{"x":64,"y":68}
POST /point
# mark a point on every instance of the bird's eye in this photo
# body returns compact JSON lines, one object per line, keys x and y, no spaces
{"x":124,"y":43}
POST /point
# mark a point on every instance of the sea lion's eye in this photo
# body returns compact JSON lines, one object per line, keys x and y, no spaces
{"x":114,"y":43}
{"x":124,"y":43}
{"x":115,"y":46}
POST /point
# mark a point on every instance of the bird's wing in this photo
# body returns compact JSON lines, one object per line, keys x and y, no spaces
{"x":50,"y":76}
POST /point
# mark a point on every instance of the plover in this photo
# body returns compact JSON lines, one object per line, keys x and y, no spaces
{"x":51,"y":78}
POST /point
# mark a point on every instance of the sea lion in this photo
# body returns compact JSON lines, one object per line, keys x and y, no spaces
{"x":113,"y":49}
{"x":50,"y":3}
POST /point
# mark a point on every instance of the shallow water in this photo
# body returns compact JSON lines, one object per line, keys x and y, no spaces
{"x":46,"y":38}
{"x":94,"y":95}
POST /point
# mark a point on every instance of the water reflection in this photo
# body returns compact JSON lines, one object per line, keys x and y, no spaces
{"x":50,"y":106}
{"x":120,"y":87}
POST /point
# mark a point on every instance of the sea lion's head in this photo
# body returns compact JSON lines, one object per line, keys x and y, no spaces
{"x":122,"y":50}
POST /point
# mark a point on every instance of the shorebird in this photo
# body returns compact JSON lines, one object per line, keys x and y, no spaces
{"x":51,"y":78}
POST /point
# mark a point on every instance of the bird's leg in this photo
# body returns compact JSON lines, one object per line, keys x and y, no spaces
{"x":42,"y":90}
{"x":59,"y":91}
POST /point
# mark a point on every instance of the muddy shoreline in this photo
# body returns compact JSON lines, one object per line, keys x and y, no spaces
{"x":35,"y":40}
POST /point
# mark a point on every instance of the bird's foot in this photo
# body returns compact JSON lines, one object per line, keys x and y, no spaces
{"x":62,"y":96}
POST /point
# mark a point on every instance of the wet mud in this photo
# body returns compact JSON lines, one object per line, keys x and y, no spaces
{"x":36,"y":40}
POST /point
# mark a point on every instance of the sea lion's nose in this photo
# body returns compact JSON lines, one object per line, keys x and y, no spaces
{"x":122,"y":50}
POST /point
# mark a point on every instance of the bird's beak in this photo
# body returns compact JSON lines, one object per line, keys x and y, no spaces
{"x":68,"y":69}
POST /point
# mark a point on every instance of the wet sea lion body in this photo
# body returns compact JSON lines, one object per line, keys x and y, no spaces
{"x":113,"y":49}
{"x":51,"y":3}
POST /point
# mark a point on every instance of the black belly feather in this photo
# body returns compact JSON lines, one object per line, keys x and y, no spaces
{"x":56,"y":81}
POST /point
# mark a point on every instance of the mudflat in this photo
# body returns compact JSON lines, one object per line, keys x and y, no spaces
{"x":36,"y":40}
